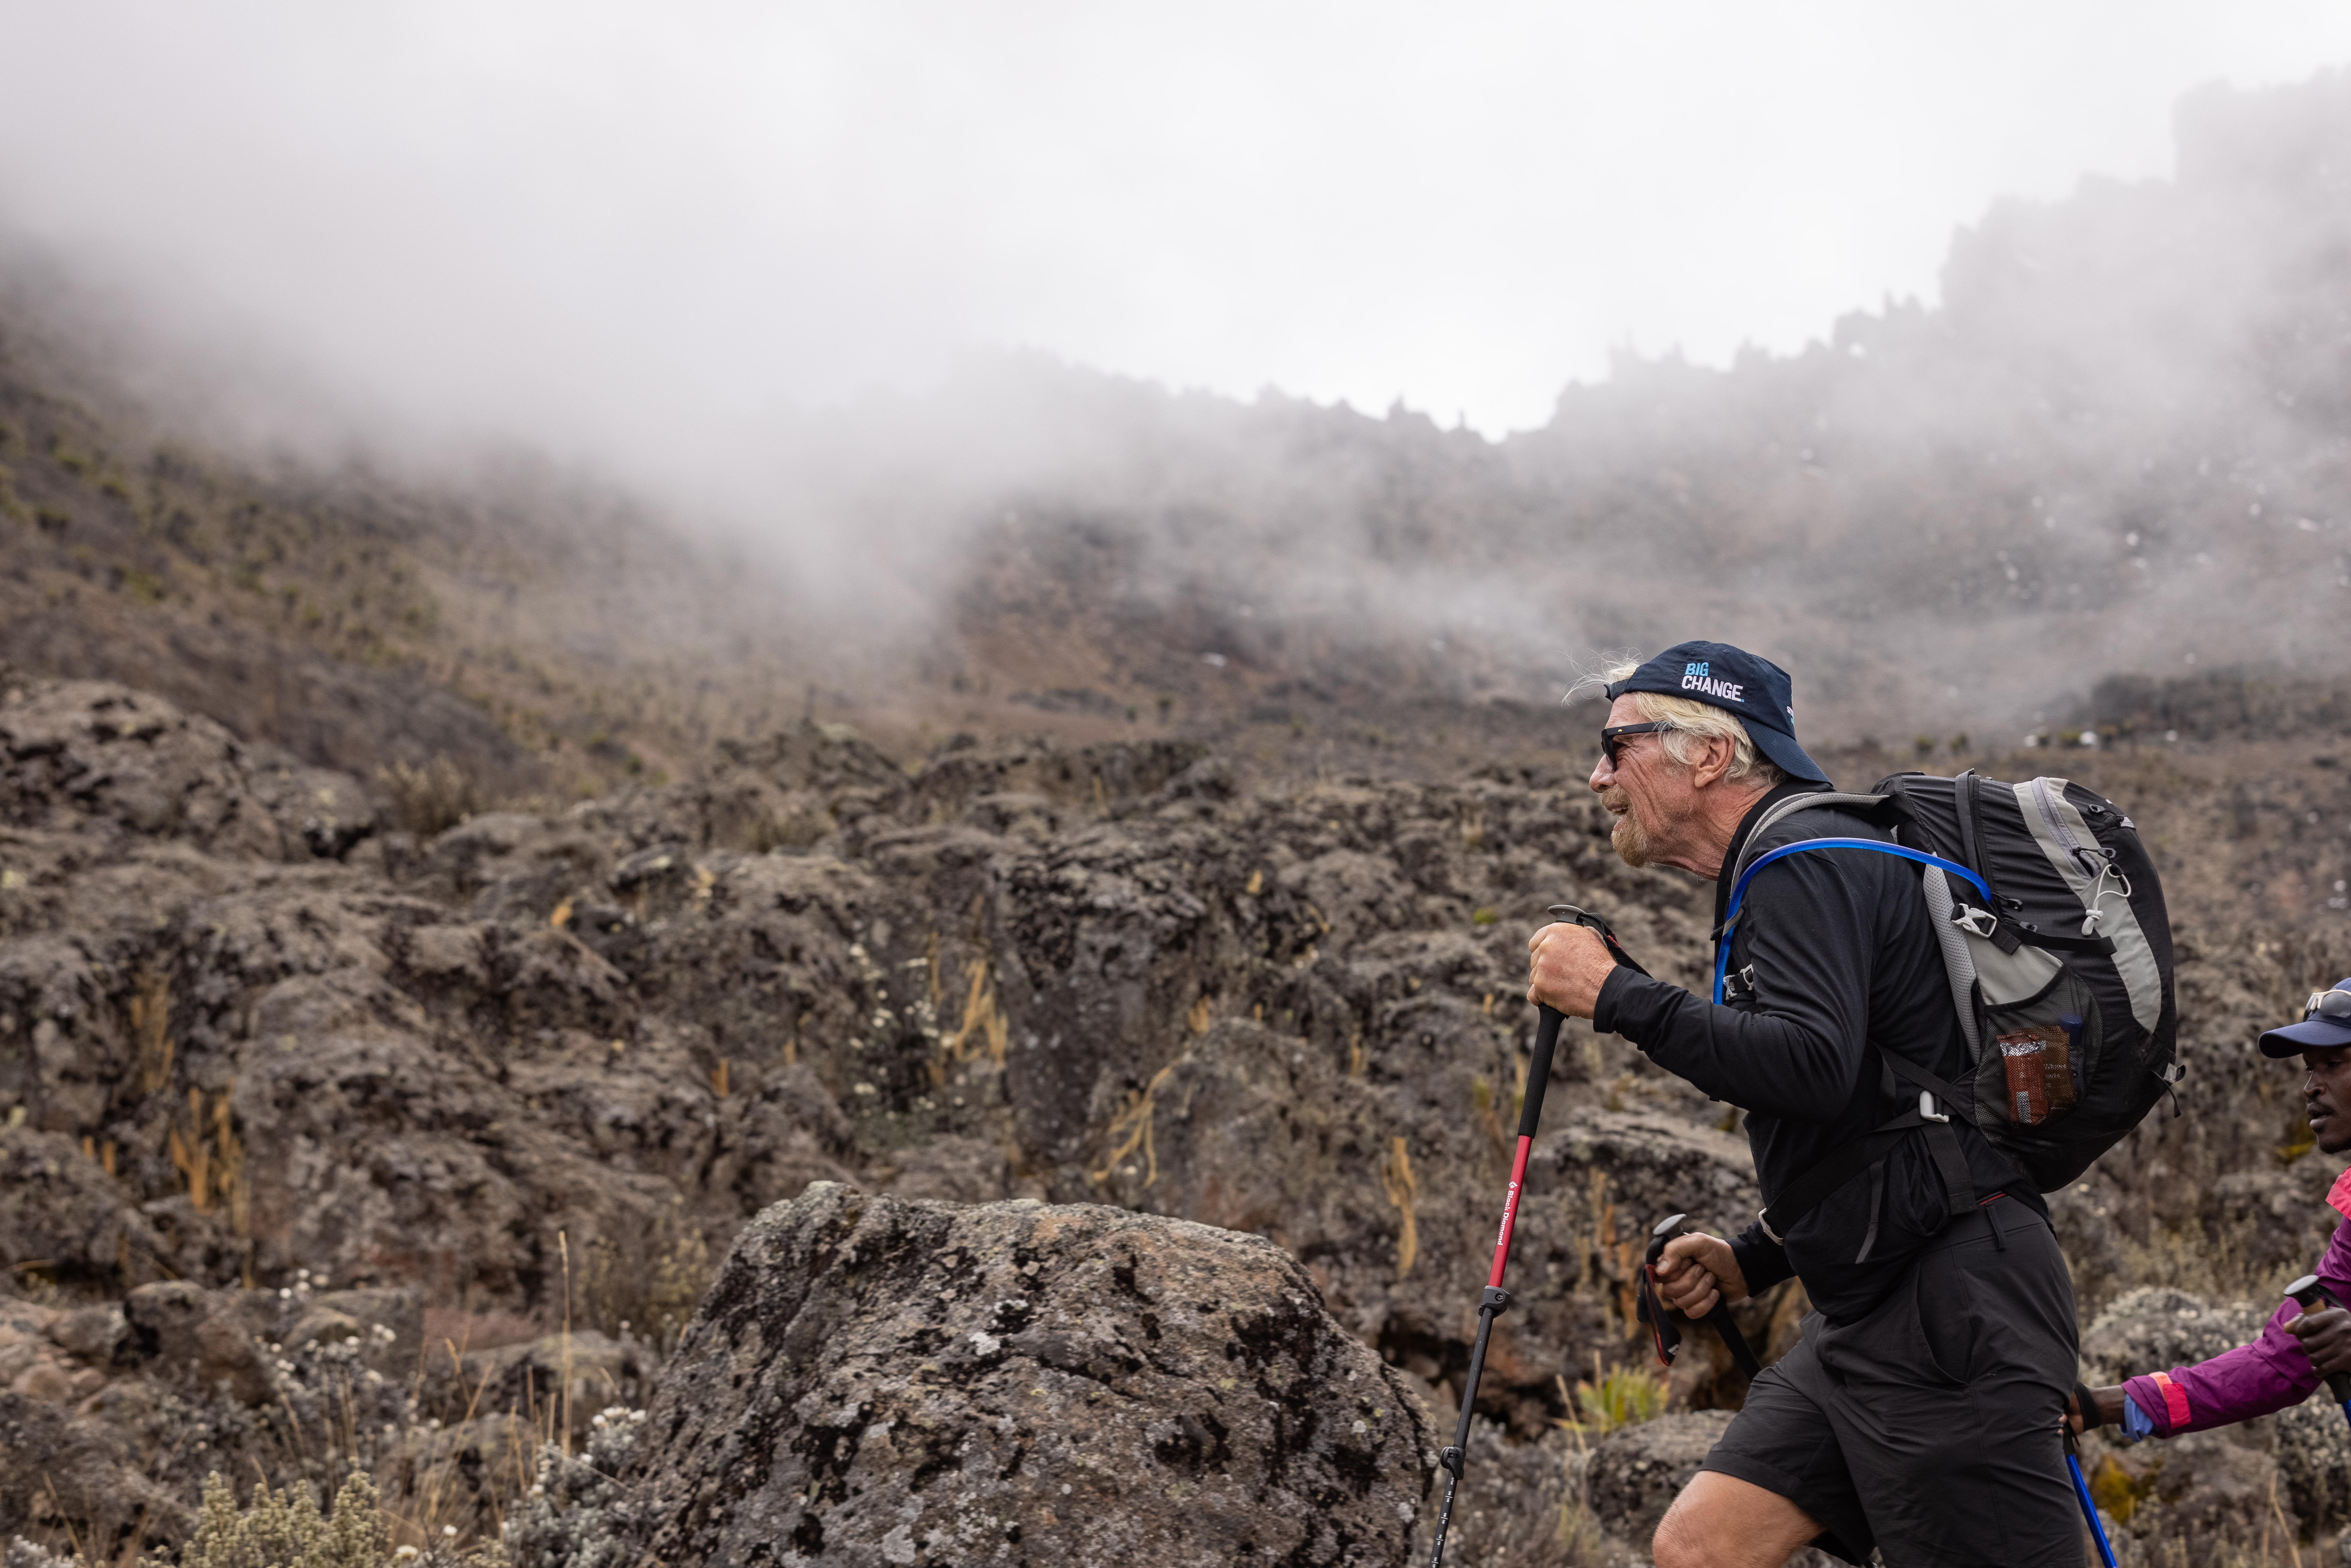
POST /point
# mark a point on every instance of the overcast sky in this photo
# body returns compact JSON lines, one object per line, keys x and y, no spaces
{"x":555,"y":218}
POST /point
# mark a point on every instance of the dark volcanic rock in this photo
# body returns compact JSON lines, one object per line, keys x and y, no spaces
{"x":59,"y":1210}
{"x":54,"y":1466}
{"x":2206,"y":1497}
{"x":876,"y":1382}
{"x":1636,"y":1471}
{"x":91,"y":754}
{"x":197,"y":1334}
{"x":2155,"y":1329}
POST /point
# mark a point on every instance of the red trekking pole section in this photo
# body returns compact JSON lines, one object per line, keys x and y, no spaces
{"x":1518,"y":1165}
{"x":1496,"y":1299}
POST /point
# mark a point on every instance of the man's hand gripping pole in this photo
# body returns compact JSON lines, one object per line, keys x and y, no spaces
{"x":1666,"y":1335}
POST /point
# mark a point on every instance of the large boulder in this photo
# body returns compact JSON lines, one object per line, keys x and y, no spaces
{"x":872,"y":1381}
{"x":97,"y":756}
{"x":2313,"y":1455}
{"x":2206,"y":1496}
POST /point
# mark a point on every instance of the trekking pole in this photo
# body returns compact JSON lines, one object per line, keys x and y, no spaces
{"x":1491,"y":1304}
{"x":2312,"y":1296}
{"x":2082,"y":1495}
{"x":1496,"y":1300}
{"x":1663,"y":1333}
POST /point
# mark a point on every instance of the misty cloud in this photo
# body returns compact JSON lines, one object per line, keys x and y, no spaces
{"x":607,"y":227}
{"x":747,"y":269}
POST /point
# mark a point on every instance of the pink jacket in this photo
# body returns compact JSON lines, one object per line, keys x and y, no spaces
{"x":2253,"y":1379}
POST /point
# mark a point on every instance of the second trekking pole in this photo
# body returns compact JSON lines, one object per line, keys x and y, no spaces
{"x":1663,"y":1334}
{"x":1496,"y":1300}
{"x":2082,"y":1496}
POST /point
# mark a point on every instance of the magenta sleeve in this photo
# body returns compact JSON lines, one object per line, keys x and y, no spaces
{"x":2238,"y":1385}
{"x":2252,"y":1380}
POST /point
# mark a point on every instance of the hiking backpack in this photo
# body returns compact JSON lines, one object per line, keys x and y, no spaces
{"x":2054,"y":935}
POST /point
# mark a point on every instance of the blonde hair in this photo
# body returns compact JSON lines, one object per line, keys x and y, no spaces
{"x":1692,"y":721}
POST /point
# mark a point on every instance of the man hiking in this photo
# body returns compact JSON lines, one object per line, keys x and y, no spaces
{"x":1920,"y":1414}
{"x":2297,"y":1348}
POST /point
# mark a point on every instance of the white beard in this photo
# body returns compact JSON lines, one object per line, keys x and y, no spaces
{"x":1631,"y":841}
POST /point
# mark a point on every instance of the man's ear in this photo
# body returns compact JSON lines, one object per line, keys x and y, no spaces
{"x":1711,"y":764}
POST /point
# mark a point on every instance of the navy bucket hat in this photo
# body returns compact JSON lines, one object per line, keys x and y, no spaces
{"x":1737,"y":682}
{"x":2325,"y":1024}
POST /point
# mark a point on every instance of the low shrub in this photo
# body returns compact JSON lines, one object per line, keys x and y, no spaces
{"x":429,"y":799}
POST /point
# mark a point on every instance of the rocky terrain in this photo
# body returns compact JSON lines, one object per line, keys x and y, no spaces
{"x":333,"y":1146}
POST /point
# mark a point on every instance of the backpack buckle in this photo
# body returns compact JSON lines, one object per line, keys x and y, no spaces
{"x":1926,"y":1107}
{"x":1975,"y":922}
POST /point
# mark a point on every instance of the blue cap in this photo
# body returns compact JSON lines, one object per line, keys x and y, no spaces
{"x":1737,"y":681}
{"x":2311,"y":1034}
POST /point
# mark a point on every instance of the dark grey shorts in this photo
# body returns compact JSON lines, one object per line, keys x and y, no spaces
{"x":1930,"y":1429}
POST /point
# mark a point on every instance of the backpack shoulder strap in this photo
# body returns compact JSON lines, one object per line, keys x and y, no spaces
{"x":1747,"y":876}
{"x":1866,"y":804}
{"x":1943,"y":913}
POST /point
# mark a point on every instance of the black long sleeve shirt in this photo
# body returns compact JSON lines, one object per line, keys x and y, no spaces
{"x":1843,"y":965}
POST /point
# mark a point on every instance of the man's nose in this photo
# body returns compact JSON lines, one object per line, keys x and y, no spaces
{"x":1603,"y":775}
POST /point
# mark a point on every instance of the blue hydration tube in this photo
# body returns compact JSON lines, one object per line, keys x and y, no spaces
{"x":1738,"y":892}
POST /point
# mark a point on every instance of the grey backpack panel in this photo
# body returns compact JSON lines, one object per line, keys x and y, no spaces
{"x":2088,"y":867}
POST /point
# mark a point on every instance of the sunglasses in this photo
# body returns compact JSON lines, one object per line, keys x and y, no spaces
{"x":1612,"y":739}
{"x":2332,"y":1006}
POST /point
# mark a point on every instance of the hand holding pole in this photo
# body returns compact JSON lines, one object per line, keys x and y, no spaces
{"x":2316,"y":1297}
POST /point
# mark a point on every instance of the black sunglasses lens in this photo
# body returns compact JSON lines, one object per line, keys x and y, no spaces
{"x":1612,"y":739}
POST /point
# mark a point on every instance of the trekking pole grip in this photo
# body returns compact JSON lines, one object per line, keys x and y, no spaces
{"x":1538,"y":1070}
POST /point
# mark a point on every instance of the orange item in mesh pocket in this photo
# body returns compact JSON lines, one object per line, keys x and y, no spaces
{"x":2040,"y":1073}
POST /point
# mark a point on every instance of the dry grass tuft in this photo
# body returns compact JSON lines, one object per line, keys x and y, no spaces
{"x":647,"y":1285}
{"x":429,"y":799}
{"x":1135,"y":1123}
{"x":150,"y":1029}
{"x":1402,"y":1192}
{"x":211,"y":1159}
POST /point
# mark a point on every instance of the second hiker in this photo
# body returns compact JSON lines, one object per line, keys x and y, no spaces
{"x":2296,"y":1348}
